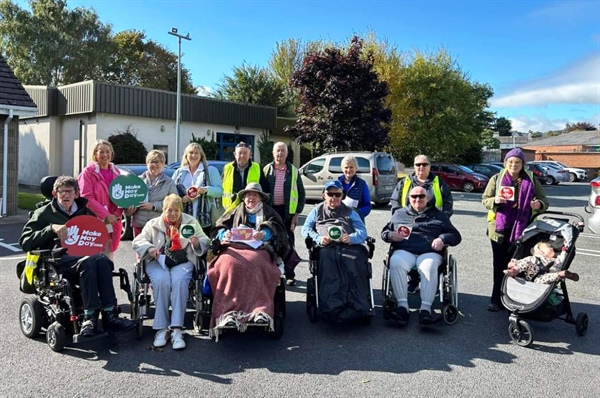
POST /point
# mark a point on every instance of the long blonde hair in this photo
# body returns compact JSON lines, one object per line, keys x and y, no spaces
{"x":191,"y":146}
{"x":103,"y":142}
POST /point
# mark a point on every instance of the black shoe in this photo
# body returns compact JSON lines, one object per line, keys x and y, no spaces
{"x":426,"y":318}
{"x":112,"y":322}
{"x":493,"y":307}
{"x":401,"y":315}
{"x":413,"y":286}
{"x":89,"y":328}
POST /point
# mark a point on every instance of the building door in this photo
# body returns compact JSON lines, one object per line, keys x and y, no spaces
{"x":228,"y":141}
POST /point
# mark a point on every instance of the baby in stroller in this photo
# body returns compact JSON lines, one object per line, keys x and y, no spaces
{"x":542,"y":266}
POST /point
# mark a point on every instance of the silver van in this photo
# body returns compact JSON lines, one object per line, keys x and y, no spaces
{"x":378,"y":169}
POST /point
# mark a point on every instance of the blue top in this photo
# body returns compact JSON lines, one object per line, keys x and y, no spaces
{"x":357,"y":237}
{"x":358,"y":189}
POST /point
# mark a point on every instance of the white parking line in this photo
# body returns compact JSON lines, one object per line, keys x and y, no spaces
{"x":589,"y":252}
{"x":10,"y":246}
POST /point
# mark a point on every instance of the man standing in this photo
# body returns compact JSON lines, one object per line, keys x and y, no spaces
{"x":93,"y":273}
{"x":287,"y":196}
{"x":239,"y":173}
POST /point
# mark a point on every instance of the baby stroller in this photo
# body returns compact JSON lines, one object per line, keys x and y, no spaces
{"x":536,"y":301}
{"x":343,"y":290}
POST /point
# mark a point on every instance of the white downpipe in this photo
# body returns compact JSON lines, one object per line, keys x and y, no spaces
{"x":5,"y":164}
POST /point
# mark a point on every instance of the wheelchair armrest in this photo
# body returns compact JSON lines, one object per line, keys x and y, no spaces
{"x":371,"y":246}
{"x":309,"y":242}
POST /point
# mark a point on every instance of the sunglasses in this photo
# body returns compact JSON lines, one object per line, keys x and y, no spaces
{"x":242,"y":145}
{"x":421,"y":164}
{"x":418,"y":196}
{"x":334,"y":194}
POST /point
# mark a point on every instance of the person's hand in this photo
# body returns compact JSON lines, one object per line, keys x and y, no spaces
{"x":60,"y":230}
{"x":194,"y":240}
{"x":202,"y":190}
{"x":226,"y":236}
{"x":345,"y":239}
{"x":110,"y":219}
{"x":396,"y":237}
{"x":511,"y":272}
{"x":186,"y":199}
{"x":259,"y":236}
{"x":154,"y":253}
{"x":294,"y":222}
{"x":130,"y":210}
{"x":499,"y":200}
{"x":325,"y":240}
{"x":536,"y":204}
{"x":437,"y":244}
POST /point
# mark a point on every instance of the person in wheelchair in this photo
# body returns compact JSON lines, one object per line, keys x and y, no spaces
{"x":339,"y":233}
{"x":417,"y":233}
{"x":243,"y":279}
{"x":93,"y":274}
{"x":171,"y":257}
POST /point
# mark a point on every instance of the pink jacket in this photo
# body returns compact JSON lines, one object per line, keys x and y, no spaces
{"x":93,"y":187}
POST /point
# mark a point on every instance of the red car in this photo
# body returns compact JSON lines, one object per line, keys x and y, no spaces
{"x":460,"y":177}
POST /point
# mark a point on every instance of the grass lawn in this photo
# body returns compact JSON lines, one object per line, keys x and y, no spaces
{"x":27,"y":201}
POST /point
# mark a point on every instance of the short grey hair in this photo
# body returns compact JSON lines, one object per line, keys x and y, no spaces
{"x":350,"y":159}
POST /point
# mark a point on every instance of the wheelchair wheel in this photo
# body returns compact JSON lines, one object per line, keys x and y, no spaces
{"x":278,"y":328}
{"x":312,"y":312}
{"x":31,"y":316}
{"x":581,"y":323}
{"x":450,"y":314}
{"x":522,"y":334}
{"x":56,"y":337}
{"x":453,"y":281}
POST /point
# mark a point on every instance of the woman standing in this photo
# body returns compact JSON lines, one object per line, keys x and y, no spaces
{"x":94,"y":181}
{"x":195,"y":172}
{"x":159,"y":186}
{"x":356,"y":189}
{"x":509,"y":214}
{"x":170,"y":278}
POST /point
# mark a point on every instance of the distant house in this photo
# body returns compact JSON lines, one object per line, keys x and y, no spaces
{"x":14,"y":103}
{"x":59,"y":138}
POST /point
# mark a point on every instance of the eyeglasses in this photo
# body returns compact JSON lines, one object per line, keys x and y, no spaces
{"x":421,"y":196}
{"x":421,"y":164}
{"x":66,"y":192}
{"x":334,"y":194}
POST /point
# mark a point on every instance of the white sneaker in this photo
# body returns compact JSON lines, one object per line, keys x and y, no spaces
{"x":177,"y":339}
{"x":160,"y":340}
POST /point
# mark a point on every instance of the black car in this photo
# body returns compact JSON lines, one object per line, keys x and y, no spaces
{"x":540,"y":173}
{"x":487,"y":169}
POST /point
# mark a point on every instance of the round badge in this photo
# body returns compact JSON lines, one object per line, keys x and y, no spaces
{"x":187,"y":230}
{"x":335,"y":233}
{"x":86,"y":236}
{"x":404,"y":230}
{"x":192,"y":192}
{"x":507,"y":192}
{"x":127,"y":190}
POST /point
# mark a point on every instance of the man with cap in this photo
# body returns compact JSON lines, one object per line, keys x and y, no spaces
{"x":332,"y":212}
{"x":239,"y":173}
{"x":509,"y":215}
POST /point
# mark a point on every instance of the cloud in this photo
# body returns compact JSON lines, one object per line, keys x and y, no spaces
{"x":578,"y":83}
{"x":566,"y":12}
{"x":543,"y":123}
{"x":204,"y":91}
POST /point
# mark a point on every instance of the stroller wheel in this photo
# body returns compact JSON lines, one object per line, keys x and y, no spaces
{"x":56,"y":337}
{"x":450,"y":314}
{"x":522,"y":334}
{"x":581,"y":323}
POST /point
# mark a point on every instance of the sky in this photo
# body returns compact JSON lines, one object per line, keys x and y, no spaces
{"x":541,"y":58}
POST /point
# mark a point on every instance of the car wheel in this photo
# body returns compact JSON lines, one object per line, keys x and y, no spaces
{"x":127,"y":232}
{"x":572,"y":177}
{"x":468,"y":186}
{"x":550,"y":180}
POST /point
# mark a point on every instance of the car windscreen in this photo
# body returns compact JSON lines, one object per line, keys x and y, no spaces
{"x":386,"y":165}
{"x":465,"y":168}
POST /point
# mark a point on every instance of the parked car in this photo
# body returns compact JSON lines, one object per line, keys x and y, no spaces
{"x":540,"y":173}
{"x":593,"y":206}
{"x":378,"y":169}
{"x":460,"y":177}
{"x":137,"y":169}
{"x":556,"y":174}
{"x":487,"y":169}
{"x":575,"y":174}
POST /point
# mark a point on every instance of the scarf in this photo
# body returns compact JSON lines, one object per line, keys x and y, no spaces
{"x":513,"y":216}
{"x":173,"y":234}
{"x":255,"y":215}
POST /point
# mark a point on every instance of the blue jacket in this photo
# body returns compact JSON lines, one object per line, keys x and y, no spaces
{"x":426,"y":226}
{"x":358,"y":189}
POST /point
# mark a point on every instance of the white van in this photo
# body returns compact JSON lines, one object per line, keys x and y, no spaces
{"x":378,"y":169}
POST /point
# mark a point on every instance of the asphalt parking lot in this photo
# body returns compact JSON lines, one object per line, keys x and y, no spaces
{"x":472,"y":358}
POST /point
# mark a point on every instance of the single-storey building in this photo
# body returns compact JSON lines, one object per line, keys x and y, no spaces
{"x":59,"y":138}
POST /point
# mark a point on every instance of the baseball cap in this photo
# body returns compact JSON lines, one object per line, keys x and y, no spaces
{"x":333,"y":184}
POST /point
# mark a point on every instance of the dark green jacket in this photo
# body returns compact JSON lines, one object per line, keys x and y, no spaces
{"x":37,"y":232}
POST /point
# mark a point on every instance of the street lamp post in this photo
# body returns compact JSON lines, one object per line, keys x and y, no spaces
{"x":178,"y":115}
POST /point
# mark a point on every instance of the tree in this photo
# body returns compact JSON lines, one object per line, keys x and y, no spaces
{"x":128,"y":149}
{"x":51,"y":45}
{"x":441,"y":112}
{"x":580,"y":126}
{"x":341,"y":101}
{"x":265,"y":149}
{"x":210,"y":148}
{"x":503,"y":127}
{"x":536,"y":134}
{"x":253,"y":85}
{"x":488,"y":141}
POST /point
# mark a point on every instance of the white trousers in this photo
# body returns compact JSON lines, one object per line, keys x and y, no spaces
{"x":169,"y":286}
{"x":427,"y":264}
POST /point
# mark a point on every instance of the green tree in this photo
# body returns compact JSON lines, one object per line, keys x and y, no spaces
{"x":253,"y":85}
{"x":536,"y":134}
{"x":341,"y":101}
{"x":583,"y":126}
{"x":210,"y":148}
{"x":503,"y":127}
{"x":128,"y":149}
{"x":488,"y":141}
{"x":52,"y":45}
{"x":265,"y":148}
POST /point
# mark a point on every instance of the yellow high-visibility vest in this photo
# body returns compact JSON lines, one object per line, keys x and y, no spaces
{"x":253,"y":176}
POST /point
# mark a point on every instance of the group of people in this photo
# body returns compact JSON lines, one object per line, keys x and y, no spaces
{"x":269,"y":202}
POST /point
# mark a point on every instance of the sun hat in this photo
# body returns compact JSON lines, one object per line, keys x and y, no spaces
{"x":515,"y":153}
{"x":254,"y":187}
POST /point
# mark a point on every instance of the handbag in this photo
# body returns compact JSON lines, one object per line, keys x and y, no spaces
{"x":204,"y":218}
{"x":216,"y":211}
{"x":174,"y":257}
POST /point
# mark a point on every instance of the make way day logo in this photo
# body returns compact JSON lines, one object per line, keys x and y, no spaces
{"x":86,"y":236}
{"x":335,"y":232}
{"x":127,"y":190}
{"x":187,"y":230}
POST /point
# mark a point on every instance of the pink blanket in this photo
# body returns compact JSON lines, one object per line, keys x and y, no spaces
{"x":243,"y":281}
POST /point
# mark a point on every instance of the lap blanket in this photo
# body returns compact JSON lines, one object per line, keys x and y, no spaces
{"x":343,"y":282}
{"x":243,"y":281}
